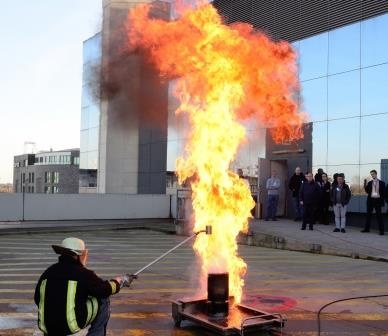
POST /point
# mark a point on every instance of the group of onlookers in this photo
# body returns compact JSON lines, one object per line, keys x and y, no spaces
{"x":313,"y":196}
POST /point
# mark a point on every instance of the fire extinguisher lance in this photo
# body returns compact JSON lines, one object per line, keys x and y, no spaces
{"x":208,"y":231}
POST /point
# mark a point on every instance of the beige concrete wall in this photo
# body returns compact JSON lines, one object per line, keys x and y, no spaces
{"x":82,"y":206}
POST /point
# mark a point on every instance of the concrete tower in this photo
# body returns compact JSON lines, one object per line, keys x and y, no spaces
{"x":133,"y":124}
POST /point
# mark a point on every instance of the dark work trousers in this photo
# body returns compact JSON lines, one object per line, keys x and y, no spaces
{"x":272,"y":206}
{"x":98,"y":326}
{"x":308,"y":215}
{"x":298,"y":208}
{"x":374,"y":204}
{"x":325,"y":215}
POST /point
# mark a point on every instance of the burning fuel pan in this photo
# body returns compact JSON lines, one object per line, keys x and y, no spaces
{"x":240,"y":320}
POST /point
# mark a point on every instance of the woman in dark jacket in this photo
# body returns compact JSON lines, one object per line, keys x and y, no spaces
{"x":325,"y":199}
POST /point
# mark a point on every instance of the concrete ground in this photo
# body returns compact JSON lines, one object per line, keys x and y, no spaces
{"x":292,"y":283}
{"x":286,"y":234}
{"x":281,"y":234}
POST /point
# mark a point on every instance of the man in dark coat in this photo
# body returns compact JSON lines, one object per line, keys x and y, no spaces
{"x":296,"y":181}
{"x":309,"y":197}
{"x":340,"y":196}
{"x":375,"y":190}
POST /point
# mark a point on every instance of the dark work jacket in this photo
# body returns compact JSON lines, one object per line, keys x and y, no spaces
{"x":345,"y":194}
{"x":368,"y":190}
{"x":295,"y":183}
{"x":318,"y":177}
{"x":66,"y":296}
{"x":309,"y":193}
{"x":325,"y":193}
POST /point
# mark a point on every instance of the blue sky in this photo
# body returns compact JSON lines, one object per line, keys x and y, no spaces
{"x":41,"y":73}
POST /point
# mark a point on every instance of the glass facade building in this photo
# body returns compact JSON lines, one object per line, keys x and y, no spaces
{"x":342,"y":49}
{"x":90,"y":112}
{"x":344,"y":83}
{"x":343,"y":73}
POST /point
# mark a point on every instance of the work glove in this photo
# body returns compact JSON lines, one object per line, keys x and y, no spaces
{"x":126,"y":280}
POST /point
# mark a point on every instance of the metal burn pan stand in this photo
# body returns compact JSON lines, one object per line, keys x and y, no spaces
{"x":242,"y":320}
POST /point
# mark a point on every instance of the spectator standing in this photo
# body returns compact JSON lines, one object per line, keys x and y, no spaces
{"x":309,"y":196}
{"x":296,"y":181}
{"x":318,"y":175}
{"x":375,"y":190}
{"x":334,"y":180}
{"x":340,"y":196}
{"x":325,"y":199}
{"x":272,"y":186}
{"x":318,"y":180}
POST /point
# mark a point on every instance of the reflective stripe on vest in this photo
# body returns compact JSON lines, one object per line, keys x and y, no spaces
{"x":92,"y":307}
{"x":114,"y":286}
{"x":70,"y":307}
{"x":95,"y":309}
{"x":42,"y":292}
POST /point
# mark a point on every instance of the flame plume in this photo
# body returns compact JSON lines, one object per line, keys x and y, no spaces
{"x":226,"y":74}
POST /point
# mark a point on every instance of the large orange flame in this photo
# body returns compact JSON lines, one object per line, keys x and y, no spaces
{"x":225,"y":74}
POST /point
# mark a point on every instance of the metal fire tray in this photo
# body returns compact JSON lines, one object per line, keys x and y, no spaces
{"x":242,"y":320}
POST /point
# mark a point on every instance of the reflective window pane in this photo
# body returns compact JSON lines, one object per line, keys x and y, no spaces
{"x":85,"y":100}
{"x":344,"y":48}
{"x":84,"y":141}
{"x":92,"y":48}
{"x":172,"y":154}
{"x":374,"y":41}
{"x":314,"y":98}
{"x":319,"y":143}
{"x":343,"y":141}
{"x":374,"y":146}
{"x":93,"y":139}
{"x":313,"y":56}
{"x":295,"y":46}
{"x":248,"y":154}
{"x":93,"y":160}
{"x":384,"y":170}
{"x":173,"y":122}
{"x":374,"y":84}
{"x":84,"y":118}
{"x":94,"y":115}
{"x":83,"y":160}
{"x":344,"y":95}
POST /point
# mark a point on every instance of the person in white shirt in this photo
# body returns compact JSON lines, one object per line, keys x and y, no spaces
{"x":375,"y":190}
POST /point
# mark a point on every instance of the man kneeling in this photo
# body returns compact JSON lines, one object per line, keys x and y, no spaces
{"x":71,"y":297}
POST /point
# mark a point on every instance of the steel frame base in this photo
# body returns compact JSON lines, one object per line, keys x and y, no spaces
{"x":241,"y":320}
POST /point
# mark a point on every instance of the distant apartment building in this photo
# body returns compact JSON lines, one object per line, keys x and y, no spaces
{"x":52,"y":172}
{"x":6,"y":187}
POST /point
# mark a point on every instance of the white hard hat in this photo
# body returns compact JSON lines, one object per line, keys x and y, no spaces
{"x":72,"y":245}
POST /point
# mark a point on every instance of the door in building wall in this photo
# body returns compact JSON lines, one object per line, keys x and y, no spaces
{"x":264,"y":172}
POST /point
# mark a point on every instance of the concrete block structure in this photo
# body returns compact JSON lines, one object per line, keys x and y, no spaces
{"x":53,"y":172}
